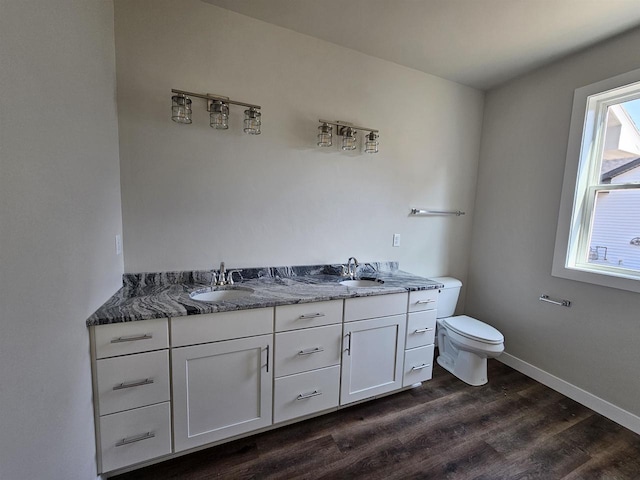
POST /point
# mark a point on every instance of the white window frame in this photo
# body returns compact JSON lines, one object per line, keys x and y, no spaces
{"x":582,"y":182}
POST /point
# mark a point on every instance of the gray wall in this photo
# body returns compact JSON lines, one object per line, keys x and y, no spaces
{"x":59,"y":212}
{"x":593,"y":344}
{"x":193,"y":196}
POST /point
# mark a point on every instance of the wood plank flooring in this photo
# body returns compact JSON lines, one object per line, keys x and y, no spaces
{"x":511,"y":428}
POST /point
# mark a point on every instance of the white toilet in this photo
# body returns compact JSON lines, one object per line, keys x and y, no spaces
{"x":464,"y":343}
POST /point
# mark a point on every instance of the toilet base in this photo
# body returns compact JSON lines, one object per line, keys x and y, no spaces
{"x":464,"y":357}
{"x":468,"y":367}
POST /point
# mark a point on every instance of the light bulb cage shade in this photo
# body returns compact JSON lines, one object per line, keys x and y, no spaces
{"x":348,"y":138}
{"x":371,"y":144}
{"x":252,"y":121}
{"x":218,"y":114}
{"x":181,"y":109}
{"x":325,"y":136}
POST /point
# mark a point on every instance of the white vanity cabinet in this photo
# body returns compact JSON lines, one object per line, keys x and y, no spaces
{"x":165,"y":386}
{"x":419,"y":346}
{"x":131,"y":392}
{"x":373,"y":346}
{"x":221,"y":388}
{"x":307,"y":359}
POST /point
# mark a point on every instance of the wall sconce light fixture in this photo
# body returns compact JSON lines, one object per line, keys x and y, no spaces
{"x":218,"y":108}
{"x":348,"y":132}
{"x":325,"y":135}
{"x":371,"y":143}
{"x":348,"y":138}
{"x":218,"y":114}
{"x":252,"y":121}
{"x":181,"y":109}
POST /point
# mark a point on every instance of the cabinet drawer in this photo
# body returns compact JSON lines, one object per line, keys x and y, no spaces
{"x":213,"y":327}
{"x":304,"y":315}
{"x":135,"y":436}
{"x":421,"y":327}
{"x":306,"y":393}
{"x":423,"y":300}
{"x":361,"y":308}
{"x":132,"y":381}
{"x":418,"y":365}
{"x":131,"y":337}
{"x":308,"y":349}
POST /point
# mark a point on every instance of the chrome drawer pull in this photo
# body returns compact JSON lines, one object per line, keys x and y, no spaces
{"x":302,"y":396}
{"x":422,"y":330}
{"x":311,"y":315}
{"x":137,"y":438}
{"x":146,"y":336}
{"x":146,"y":381}
{"x":420,"y":302}
{"x":311,"y":350}
{"x":420,"y":367}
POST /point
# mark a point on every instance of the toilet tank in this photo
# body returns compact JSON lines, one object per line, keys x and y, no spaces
{"x":448,"y":297}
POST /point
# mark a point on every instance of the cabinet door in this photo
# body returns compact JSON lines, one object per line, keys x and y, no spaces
{"x":372,"y":357}
{"x":221,"y":390}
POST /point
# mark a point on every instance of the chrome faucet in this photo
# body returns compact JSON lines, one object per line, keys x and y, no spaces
{"x":352,"y":273}
{"x":373,"y":268}
{"x":222,"y":277}
{"x":230,"y":276}
{"x":219,"y":278}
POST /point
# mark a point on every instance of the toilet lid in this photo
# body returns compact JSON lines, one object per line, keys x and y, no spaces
{"x":474,"y":329}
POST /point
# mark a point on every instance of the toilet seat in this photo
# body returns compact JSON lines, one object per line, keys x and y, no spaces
{"x":473,"y":329}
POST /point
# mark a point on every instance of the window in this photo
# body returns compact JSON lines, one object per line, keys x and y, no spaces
{"x":598,"y":236}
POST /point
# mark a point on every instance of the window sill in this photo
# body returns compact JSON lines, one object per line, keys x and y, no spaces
{"x":597,"y":277}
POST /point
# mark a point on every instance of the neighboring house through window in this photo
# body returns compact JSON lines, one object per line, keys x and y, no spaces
{"x":598,"y":236}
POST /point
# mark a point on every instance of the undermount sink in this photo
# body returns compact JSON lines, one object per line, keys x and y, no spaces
{"x":220,"y":294}
{"x":362,"y":283}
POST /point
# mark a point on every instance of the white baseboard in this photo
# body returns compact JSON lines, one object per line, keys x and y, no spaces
{"x":597,"y":404}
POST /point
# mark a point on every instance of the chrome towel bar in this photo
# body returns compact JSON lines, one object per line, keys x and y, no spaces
{"x":562,"y":303}
{"x":418,"y":211}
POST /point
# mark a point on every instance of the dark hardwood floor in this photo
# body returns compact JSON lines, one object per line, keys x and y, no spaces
{"x":511,"y":428}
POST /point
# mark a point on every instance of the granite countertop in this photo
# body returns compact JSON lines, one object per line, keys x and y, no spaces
{"x":157,"y":295}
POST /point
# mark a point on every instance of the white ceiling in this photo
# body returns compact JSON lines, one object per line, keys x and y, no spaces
{"x":480,"y":43}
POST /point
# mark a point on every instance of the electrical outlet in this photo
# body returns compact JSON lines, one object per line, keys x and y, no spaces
{"x":118,"y":244}
{"x":396,"y":239}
